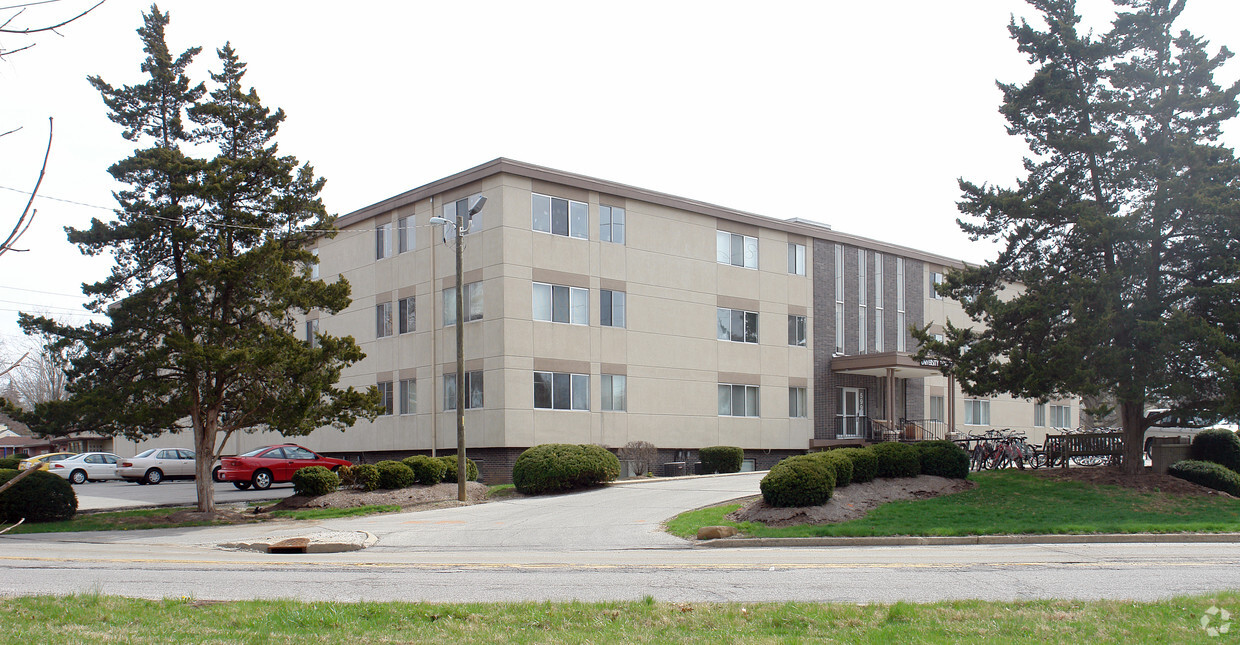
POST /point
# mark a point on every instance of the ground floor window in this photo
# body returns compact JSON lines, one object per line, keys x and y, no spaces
{"x":738,"y":400}
{"x":797,"y":403}
{"x":473,"y":391}
{"x":615,"y":391}
{"x":1061,"y":416}
{"x":976,"y":412}
{"x":561,"y":391}
{"x":937,"y":408}
{"x":385,"y":396}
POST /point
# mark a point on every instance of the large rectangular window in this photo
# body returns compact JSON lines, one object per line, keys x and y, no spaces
{"x":555,"y":303}
{"x":862,"y":340}
{"x":312,"y":331}
{"x":473,"y":391}
{"x":796,"y":259}
{"x":473,"y":303}
{"x":738,"y":400}
{"x":611,"y":224}
{"x":611,"y":308}
{"x":615,"y":391}
{"x":796,"y":330}
{"x":409,"y":396}
{"x":560,"y":391}
{"x":1061,"y":416}
{"x":383,"y":241}
{"x":385,"y":396}
{"x":561,"y":216}
{"x":839,"y":299}
{"x":737,"y":250}
{"x":878,"y":303}
{"x":406,"y":234}
{"x":737,"y":325}
{"x":976,"y":412}
{"x":407,"y":315}
{"x":798,"y":407}
{"x":461,"y":206}
{"x":900,"y":317}
{"x":383,"y":320}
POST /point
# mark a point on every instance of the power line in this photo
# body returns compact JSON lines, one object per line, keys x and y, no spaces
{"x":49,"y":293}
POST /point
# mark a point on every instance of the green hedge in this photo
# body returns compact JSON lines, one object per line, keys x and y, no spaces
{"x":1208,"y":474}
{"x":39,"y":497}
{"x":943,"y":458}
{"x":428,"y":471}
{"x":1219,"y":446}
{"x":449,"y":475}
{"x":557,"y":467}
{"x":803,"y":480}
{"x":721,"y":459}
{"x":394,"y":475}
{"x":864,"y":462}
{"x":840,"y":464}
{"x":315,"y":481}
{"x":897,"y":460}
{"x":10,"y":463}
{"x":366,"y":477}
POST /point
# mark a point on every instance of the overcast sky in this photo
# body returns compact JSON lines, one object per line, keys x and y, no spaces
{"x":862,"y":115}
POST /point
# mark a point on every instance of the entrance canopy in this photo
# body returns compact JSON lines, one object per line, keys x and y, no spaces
{"x":896,"y":364}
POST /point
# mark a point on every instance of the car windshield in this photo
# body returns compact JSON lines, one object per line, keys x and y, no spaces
{"x":145,"y":453}
{"x":255,"y":451}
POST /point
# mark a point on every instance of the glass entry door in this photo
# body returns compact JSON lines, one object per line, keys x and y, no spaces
{"x":851,"y":416}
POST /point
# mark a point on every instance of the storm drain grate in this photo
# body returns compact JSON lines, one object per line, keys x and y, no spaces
{"x":291,"y":545}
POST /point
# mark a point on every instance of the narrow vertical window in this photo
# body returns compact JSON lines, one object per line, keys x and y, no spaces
{"x":409,"y":396}
{"x":797,"y":403}
{"x":614,"y":392}
{"x":407,"y":315}
{"x":839,"y":298}
{"x":796,"y":330}
{"x":862,"y":337}
{"x":383,"y":320}
{"x":383,"y":241}
{"x":878,"y":303}
{"x":611,"y":308}
{"x":385,"y":396}
{"x":405,"y":234}
{"x":312,"y":332}
{"x":611,"y":224}
{"x":314,"y":264}
{"x":901,"y":323}
{"x":1039,"y":415}
{"x":796,"y":259}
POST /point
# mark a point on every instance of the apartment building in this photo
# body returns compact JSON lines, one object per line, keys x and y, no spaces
{"x":597,"y":312}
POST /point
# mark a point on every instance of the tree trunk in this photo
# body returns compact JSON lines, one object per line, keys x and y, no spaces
{"x":204,"y":459}
{"x":1132,"y":416}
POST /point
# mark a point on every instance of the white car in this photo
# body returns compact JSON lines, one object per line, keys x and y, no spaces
{"x":157,"y":464}
{"x":88,"y":466}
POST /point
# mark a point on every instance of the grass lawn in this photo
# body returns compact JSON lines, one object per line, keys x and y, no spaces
{"x":107,"y":619}
{"x":1009,"y":502}
{"x":161,"y":518}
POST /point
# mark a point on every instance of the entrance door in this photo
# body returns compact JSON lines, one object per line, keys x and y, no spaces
{"x":852,"y":411}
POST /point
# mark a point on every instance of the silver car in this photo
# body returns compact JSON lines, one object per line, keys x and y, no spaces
{"x":157,"y":464}
{"x":88,"y":466}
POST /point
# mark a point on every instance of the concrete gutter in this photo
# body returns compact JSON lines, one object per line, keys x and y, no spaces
{"x":908,"y":540}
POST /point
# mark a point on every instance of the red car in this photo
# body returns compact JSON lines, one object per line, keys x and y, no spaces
{"x":264,"y":466}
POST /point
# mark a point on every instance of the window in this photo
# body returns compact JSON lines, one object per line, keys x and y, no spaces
{"x":611,"y":224}
{"x":560,"y":391}
{"x":383,"y":241}
{"x":976,"y":412}
{"x":554,"y":303}
{"x":473,"y":391}
{"x":615,"y":391}
{"x":738,"y":400}
{"x":473,"y":303}
{"x":878,"y":302}
{"x":900,"y":319}
{"x":796,"y":259}
{"x":937,"y":408}
{"x":737,"y":326}
{"x":1039,"y":415}
{"x":409,"y":396}
{"x":314,"y":264}
{"x":461,"y":206}
{"x":383,"y":320}
{"x":312,"y":329}
{"x":562,"y":216}
{"x":796,"y":330}
{"x":406,"y":235}
{"x":611,"y":308}
{"x":737,"y":250}
{"x":1061,"y":416}
{"x":797,"y":407}
{"x":406,"y":315}
{"x":862,"y":344}
{"x":385,"y":396}
{"x":935,"y":280}
{"x":839,"y":298}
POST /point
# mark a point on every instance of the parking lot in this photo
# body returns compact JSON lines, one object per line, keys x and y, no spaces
{"x":117,"y":494}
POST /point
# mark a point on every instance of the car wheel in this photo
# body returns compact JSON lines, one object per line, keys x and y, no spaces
{"x":215,"y":474}
{"x":241,"y":485}
{"x":262,"y":480}
{"x":78,"y":477}
{"x":154,"y":476}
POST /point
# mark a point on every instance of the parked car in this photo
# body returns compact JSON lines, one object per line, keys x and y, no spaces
{"x":88,"y":466}
{"x":264,"y":466}
{"x":157,"y":464}
{"x":41,"y":461}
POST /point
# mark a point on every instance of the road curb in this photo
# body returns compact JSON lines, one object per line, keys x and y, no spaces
{"x":935,"y":540}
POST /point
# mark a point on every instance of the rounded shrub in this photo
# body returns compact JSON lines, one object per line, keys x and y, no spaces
{"x":558,"y":467}
{"x":449,"y":474}
{"x":803,"y":480}
{"x":395,"y":475}
{"x":38,"y":497}
{"x":1219,"y":446}
{"x":841,"y":464}
{"x":427,"y":471}
{"x":366,"y":476}
{"x":10,"y":463}
{"x":897,"y":460}
{"x":943,"y":458}
{"x":315,"y":481}
{"x":1208,"y":474}
{"x":864,"y":463}
{"x":721,"y":459}
{"x":345,"y":473}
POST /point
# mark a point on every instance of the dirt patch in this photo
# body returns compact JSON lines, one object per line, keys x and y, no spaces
{"x":852,"y":501}
{"x":415,"y":497}
{"x":1146,"y":481}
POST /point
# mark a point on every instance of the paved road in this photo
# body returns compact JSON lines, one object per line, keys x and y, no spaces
{"x":115,"y":494}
